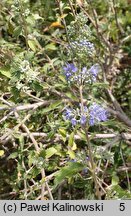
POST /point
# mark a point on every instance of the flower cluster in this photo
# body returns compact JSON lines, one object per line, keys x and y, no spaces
{"x":70,"y":115}
{"x":80,"y":37}
{"x":75,"y":116}
{"x":69,"y":70}
{"x":97,"y":114}
{"x":85,"y":75}
{"x":82,"y":46}
{"x":94,"y":114}
{"x":22,"y":73}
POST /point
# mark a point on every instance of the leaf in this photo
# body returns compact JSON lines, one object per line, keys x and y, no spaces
{"x":32,"y":45}
{"x":51,"y":107}
{"x":1,"y":153}
{"x":17,"y":31}
{"x":101,"y":85}
{"x":63,"y":132}
{"x":71,"y":140}
{"x":62,"y":78}
{"x":37,"y":16}
{"x":71,"y":143}
{"x":56,"y":25}
{"x":55,"y":104}
{"x":71,"y":146}
{"x":33,"y":173}
{"x":115,"y":179}
{"x":50,"y":46}
{"x":71,"y":96}
{"x":68,"y":171}
{"x":71,"y":154}
{"x":74,"y":147}
{"x":63,"y":16}
{"x":50,"y":152}
{"x":31,"y":158}
{"x":13,"y":155}
{"x":10,"y":26}
{"x":37,"y":86}
{"x":42,"y":153}
{"x":5,"y":71}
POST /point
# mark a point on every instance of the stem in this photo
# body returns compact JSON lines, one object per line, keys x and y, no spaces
{"x":64,"y":22}
{"x":89,"y":148}
{"x":24,"y":23}
{"x":126,"y":170}
{"x":119,"y":27}
{"x":71,"y":6}
{"x":92,"y":164}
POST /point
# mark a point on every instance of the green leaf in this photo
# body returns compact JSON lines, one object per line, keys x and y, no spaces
{"x":1,"y":153}
{"x":37,"y":86}
{"x":71,"y":140}
{"x":5,"y":71}
{"x":71,"y":143}
{"x":71,"y":96}
{"x":71,"y":154}
{"x":68,"y":171}
{"x":102,"y":85}
{"x":17,"y":31}
{"x":42,"y":153}
{"x":51,"y":107}
{"x":115,"y":179}
{"x":32,"y":45}
{"x":63,"y":132}
{"x":34,"y":172}
{"x":13,"y":155}
{"x":55,"y":104}
{"x":71,"y":146}
{"x":50,"y":46}
{"x":36,"y":16}
{"x":50,"y":152}
{"x":62,"y":78}
{"x":31,"y":158}
{"x":10,"y":26}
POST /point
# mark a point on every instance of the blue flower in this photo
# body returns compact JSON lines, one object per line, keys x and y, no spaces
{"x":91,"y":121}
{"x":94,"y":71}
{"x":69,"y":70}
{"x":97,"y":114}
{"x":87,"y":44}
{"x":85,"y":109}
{"x":68,"y":114}
{"x":87,"y":158}
{"x":84,"y":70}
{"x":73,"y":121}
{"x":83,"y":120}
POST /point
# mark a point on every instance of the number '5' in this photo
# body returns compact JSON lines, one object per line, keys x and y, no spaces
{"x":122,"y":207}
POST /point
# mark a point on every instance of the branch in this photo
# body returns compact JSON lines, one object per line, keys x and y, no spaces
{"x":116,"y":18}
{"x":27,"y":106}
{"x":25,"y":128}
{"x":121,"y":116}
{"x":57,"y":137}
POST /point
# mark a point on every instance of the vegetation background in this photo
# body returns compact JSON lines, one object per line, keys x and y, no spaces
{"x":42,"y":155}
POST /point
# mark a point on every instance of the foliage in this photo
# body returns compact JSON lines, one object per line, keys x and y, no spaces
{"x":65,"y":103}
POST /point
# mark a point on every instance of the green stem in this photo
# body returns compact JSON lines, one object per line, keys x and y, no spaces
{"x":24,"y":23}
{"x":89,"y":148}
